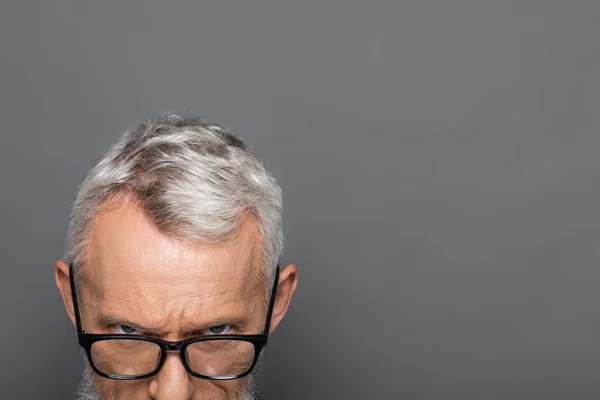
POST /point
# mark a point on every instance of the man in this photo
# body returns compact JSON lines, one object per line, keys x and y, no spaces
{"x":171,"y":272}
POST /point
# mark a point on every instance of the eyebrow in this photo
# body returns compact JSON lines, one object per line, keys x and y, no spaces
{"x":107,"y":320}
{"x":193,"y":330}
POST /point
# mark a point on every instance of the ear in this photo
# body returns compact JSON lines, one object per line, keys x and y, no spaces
{"x":288,"y":279}
{"x":61,"y":275}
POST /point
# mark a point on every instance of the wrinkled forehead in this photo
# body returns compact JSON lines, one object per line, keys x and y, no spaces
{"x":125,"y":248}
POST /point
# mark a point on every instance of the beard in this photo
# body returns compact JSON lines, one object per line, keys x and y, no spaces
{"x":88,"y":390}
{"x":87,"y":387}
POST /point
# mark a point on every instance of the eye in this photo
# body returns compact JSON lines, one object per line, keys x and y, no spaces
{"x":218,"y":330}
{"x":126,"y":329}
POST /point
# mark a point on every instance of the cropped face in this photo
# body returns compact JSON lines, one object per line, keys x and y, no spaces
{"x":138,"y":281}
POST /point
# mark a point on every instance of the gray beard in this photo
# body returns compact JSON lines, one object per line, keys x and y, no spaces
{"x":87,"y":389}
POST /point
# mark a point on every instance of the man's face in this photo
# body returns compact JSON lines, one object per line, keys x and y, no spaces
{"x":136,"y":280}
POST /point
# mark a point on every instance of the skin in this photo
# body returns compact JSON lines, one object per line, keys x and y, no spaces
{"x":135,"y":275}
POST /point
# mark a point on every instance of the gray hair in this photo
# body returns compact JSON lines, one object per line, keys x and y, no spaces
{"x":194,"y":180}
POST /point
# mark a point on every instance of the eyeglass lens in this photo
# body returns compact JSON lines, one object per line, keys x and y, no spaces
{"x":212,"y":358}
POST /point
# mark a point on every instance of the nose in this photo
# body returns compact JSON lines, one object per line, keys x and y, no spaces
{"x":172,"y":382}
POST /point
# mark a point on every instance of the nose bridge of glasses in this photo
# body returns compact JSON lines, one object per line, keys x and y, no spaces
{"x":172,"y":346}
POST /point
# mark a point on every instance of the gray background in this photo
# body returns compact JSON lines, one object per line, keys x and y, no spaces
{"x":439,"y":161}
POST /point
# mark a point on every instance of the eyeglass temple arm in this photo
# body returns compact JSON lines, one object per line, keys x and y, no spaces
{"x":74,"y":297}
{"x":272,"y":302}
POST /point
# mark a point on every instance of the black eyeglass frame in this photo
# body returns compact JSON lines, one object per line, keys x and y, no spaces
{"x":86,"y":340}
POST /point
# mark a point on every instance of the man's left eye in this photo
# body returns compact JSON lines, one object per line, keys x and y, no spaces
{"x":126,"y":329}
{"x":218,"y":330}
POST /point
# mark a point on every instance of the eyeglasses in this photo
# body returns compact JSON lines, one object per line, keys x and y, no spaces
{"x":128,"y":357}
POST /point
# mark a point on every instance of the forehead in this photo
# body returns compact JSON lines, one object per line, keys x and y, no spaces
{"x":124,"y":247}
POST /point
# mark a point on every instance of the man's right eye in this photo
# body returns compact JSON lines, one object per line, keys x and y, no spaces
{"x":126,"y":329}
